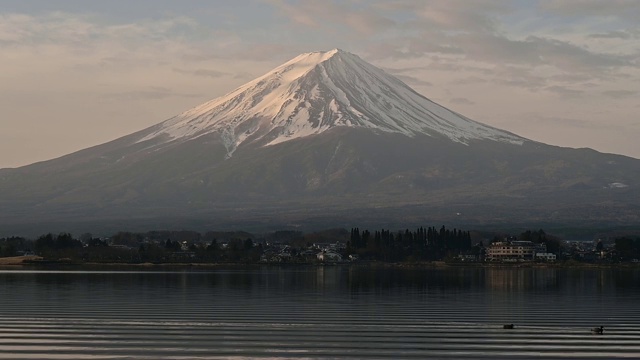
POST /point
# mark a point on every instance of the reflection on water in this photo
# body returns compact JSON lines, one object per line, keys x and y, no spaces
{"x":320,"y":313}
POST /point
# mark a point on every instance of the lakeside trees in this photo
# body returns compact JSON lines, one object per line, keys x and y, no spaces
{"x":553,"y":244}
{"x":421,"y":244}
{"x":13,"y":245}
{"x":628,"y":248}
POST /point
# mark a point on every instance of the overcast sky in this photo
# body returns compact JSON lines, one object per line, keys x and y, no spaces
{"x":77,"y":73}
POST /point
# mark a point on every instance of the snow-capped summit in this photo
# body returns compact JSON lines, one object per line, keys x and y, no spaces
{"x":315,"y":92}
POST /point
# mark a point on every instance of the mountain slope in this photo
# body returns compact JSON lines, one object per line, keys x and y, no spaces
{"x":324,"y":139}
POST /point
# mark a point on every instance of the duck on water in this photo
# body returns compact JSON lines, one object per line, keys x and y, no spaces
{"x":596,"y":330}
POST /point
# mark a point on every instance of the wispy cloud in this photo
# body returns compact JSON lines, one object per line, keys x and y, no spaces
{"x":354,"y":15}
{"x":414,"y":81}
{"x":470,"y":80}
{"x":462,"y":101}
{"x":150,"y":93}
{"x":202,"y":72}
{"x":615,"y":34}
{"x":620,"y":94}
{"x":621,"y":9}
{"x":565,"y":91}
{"x":86,"y":29}
{"x":551,"y":121}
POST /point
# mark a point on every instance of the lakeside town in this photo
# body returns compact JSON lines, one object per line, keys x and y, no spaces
{"x":336,"y":246}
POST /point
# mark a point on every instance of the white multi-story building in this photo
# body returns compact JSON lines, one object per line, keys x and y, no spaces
{"x":514,"y":250}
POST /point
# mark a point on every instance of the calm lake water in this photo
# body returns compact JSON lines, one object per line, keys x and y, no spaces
{"x":320,"y":313}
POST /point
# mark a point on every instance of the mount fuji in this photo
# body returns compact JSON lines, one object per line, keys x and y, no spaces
{"x":325,"y":139}
{"x":316,"y":92}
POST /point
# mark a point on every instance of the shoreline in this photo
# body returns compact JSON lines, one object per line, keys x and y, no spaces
{"x":39,"y":262}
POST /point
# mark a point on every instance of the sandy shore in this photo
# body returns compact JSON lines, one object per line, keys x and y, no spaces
{"x":17,"y":260}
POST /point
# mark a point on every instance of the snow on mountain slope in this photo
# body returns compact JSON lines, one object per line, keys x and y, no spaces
{"x":318,"y":91}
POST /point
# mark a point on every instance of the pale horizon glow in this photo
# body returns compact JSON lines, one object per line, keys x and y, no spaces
{"x":77,"y":74}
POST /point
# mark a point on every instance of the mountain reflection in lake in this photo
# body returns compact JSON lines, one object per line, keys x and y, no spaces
{"x":320,"y":313}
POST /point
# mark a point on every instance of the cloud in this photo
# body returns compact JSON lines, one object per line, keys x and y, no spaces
{"x":564,"y":91}
{"x":404,"y":70}
{"x":445,"y":64}
{"x":417,"y":46}
{"x":573,"y":78}
{"x":202,"y":72}
{"x":619,"y":94}
{"x":259,"y":52}
{"x":85,"y":29}
{"x":401,"y":73}
{"x":621,"y":9}
{"x":477,"y":16}
{"x":470,"y":80}
{"x":542,"y":120}
{"x":243,"y":75}
{"x":616,"y":34}
{"x":462,"y":101}
{"x":414,"y":81}
{"x":538,"y":51}
{"x":518,"y":76}
{"x":139,"y":42}
{"x":354,"y":15}
{"x":481,"y":47}
{"x":150,"y":93}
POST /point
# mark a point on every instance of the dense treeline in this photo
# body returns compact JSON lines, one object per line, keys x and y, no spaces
{"x":422,"y":244}
{"x":554,"y":245}
{"x":158,"y":246}
{"x":419,"y":245}
{"x":12,"y":246}
{"x":628,"y":248}
{"x":61,"y":245}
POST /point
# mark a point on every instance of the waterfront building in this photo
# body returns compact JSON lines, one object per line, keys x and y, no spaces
{"x":514,"y":251}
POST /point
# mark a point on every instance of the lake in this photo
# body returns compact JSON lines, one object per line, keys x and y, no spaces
{"x":332,"y":312}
